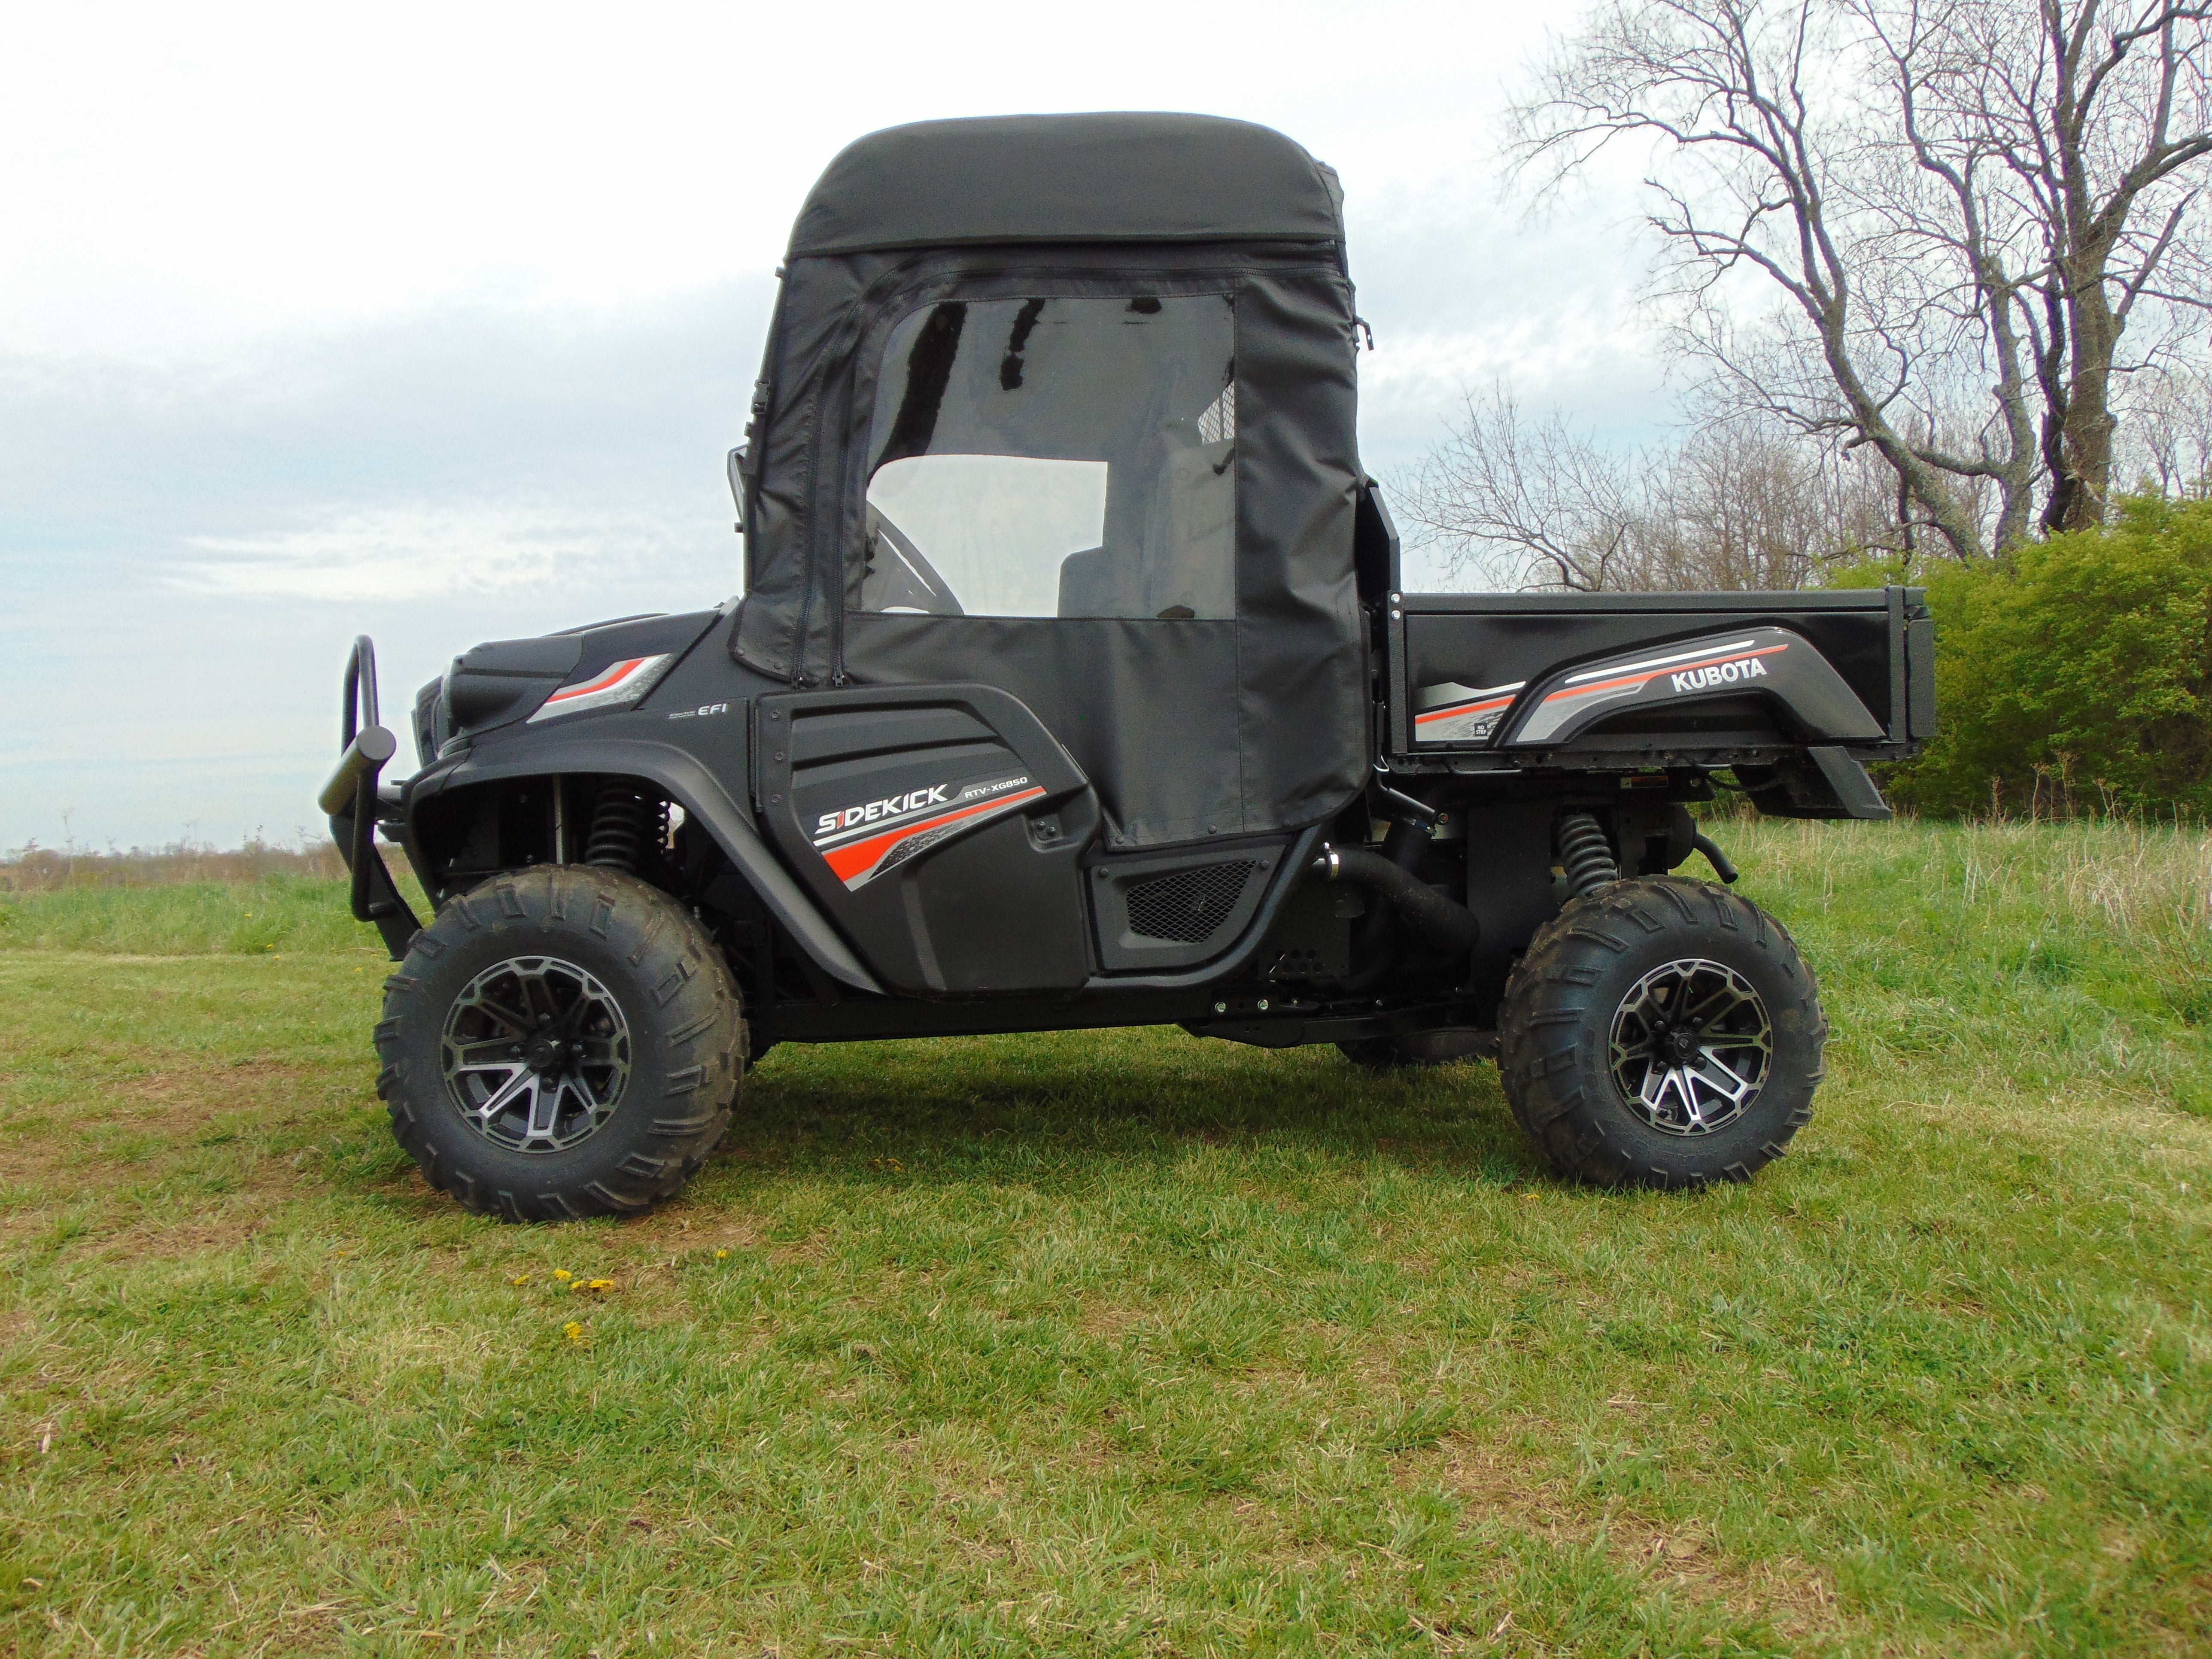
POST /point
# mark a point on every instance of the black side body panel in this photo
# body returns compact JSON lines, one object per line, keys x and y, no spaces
{"x":941,"y":826}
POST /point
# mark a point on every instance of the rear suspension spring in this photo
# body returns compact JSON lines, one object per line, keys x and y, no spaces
{"x":1585,"y":854}
{"x":617,"y":828}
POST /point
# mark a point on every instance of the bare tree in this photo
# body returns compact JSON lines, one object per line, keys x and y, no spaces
{"x":2172,"y":421}
{"x":1524,"y":505}
{"x":1737,"y":504}
{"x":1962,"y":203}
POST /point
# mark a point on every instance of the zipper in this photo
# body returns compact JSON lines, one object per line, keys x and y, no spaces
{"x":763,"y":412}
{"x":837,"y":675}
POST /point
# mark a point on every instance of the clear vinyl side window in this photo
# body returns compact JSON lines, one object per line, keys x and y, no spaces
{"x":1056,"y":458}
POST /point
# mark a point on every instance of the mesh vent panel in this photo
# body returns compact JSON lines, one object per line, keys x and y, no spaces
{"x":1188,"y":906}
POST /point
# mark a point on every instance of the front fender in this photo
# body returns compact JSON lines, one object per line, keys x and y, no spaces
{"x":704,"y":801}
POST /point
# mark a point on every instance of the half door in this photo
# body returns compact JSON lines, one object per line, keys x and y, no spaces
{"x":941,"y":827}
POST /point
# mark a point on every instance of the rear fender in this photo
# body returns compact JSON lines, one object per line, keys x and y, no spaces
{"x":704,"y":801}
{"x":1774,"y":663}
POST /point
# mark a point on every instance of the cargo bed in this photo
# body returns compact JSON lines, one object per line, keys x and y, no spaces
{"x":1599,"y":681}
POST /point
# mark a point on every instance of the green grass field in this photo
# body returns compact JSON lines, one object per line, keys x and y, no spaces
{"x":1127,"y":1343}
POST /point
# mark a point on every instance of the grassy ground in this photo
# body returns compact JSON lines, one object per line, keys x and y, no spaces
{"x":1130,"y":1343}
{"x":288,"y":910}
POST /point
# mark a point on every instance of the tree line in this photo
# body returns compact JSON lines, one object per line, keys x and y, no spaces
{"x":1937,"y":277}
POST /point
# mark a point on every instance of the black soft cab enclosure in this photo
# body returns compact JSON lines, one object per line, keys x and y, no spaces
{"x":1077,"y":421}
{"x":1073,"y":684}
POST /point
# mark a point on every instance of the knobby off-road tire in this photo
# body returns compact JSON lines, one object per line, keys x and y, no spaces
{"x":1662,"y":1032}
{"x":566,"y":1042}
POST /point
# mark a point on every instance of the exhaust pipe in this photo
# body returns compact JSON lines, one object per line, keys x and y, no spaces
{"x":1726,"y":872}
{"x":1432,"y":917}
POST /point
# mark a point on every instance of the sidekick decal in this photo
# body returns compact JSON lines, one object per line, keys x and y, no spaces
{"x":1772,"y":661}
{"x":618,"y":682}
{"x":864,"y":839}
{"x":1450,"y":712}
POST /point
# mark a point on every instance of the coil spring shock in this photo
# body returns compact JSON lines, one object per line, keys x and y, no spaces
{"x":1585,"y":854}
{"x":617,"y":828}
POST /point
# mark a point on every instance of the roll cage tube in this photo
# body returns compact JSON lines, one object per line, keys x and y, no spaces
{"x":353,"y":800}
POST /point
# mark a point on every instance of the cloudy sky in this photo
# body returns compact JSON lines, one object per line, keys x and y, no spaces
{"x":435,"y":322}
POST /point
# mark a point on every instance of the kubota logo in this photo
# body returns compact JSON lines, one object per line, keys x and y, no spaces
{"x":891,"y":808}
{"x":1725,"y":673}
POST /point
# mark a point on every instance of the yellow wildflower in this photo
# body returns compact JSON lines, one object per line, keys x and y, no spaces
{"x":560,"y":1273}
{"x":721,"y":1255}
{"x":601,"y":1285}
{"x":572,"y":1331}
{"x":519,"y":1278}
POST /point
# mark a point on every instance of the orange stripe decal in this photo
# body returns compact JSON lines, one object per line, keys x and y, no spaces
{"x":610,"y":675}
{"x":1458,"y":708}
{"x":1671,"y":668}
{"x":851,"y":862}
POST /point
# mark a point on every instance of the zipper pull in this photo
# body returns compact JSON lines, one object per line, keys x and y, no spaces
{"x":1359,"y":323}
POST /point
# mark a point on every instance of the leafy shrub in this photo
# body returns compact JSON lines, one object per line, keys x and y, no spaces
{"x":2076,"y":673}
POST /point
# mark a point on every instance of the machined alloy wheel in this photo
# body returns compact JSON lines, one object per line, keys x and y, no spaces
{"x":537,"y":1053}
{"x":1661,"y":1032}
{"x":1691,"y":1044}
{"x":565,"y":1041}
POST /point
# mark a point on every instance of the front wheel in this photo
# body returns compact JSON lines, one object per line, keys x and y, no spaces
{"x":561,"y":1042}
{"x":1663,"y":1033}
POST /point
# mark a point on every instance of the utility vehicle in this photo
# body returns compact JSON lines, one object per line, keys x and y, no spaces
{"x":1073,"y":684}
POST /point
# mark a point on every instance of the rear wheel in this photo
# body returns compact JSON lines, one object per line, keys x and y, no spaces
{"x":1662,"y":1032}
{"x":562,"y":1042}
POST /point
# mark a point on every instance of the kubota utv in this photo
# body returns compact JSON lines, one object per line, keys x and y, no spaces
{"x":1073,"y":684}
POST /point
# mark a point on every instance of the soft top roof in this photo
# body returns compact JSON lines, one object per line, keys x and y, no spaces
{"x":1068,"y":178}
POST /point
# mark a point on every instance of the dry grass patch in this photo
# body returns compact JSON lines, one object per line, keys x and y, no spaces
{"x":1106,"y":1321}
{"x":1501,"y":1483}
